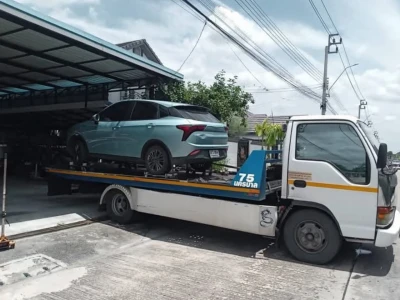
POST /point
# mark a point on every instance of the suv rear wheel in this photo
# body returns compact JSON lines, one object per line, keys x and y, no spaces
{"x":157,"y":160}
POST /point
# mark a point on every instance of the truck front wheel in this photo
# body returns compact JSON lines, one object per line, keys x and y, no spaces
{"x":312,"y":236}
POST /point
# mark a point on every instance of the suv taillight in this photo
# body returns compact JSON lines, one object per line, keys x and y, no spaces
{"x":385,"y":215}
{"x":189,"y":129}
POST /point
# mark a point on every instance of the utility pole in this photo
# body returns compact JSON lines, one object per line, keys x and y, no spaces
{"x":361,"y":106}
{"x":331,"y":41}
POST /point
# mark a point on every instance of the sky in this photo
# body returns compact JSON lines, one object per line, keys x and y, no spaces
{"x":369,"y":28}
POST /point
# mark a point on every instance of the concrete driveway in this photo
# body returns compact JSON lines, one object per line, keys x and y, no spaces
{"x":29,"y":209}
{"x":170,"y":259}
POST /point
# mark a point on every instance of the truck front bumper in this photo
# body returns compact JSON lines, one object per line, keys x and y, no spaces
{"x":386,"y":237}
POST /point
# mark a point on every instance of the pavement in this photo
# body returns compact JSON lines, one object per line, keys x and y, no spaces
{"x":29,"y":209}
{"x":162,"y":258}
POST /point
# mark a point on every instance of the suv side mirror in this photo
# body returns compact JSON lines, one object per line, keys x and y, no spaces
{"x":96,"y":118}
{"x":382,"y":156}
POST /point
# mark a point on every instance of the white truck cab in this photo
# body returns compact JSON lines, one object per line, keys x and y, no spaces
{"x":334,"y":164}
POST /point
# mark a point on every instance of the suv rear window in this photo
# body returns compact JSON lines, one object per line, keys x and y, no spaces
{"x":195,"y":113}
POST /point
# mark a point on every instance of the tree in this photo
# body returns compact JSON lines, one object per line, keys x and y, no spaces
{"x":225,"y":98}
{"x":269,"y":133}
{"x":236,"y":127}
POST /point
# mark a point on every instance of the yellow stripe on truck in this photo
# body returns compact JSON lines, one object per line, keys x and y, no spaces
{"x":339,"y":186}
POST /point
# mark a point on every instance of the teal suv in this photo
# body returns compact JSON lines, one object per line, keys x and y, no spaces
{"x":158,"y":134}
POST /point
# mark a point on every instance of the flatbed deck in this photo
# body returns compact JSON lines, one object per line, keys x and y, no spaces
{"x":236,"y":186}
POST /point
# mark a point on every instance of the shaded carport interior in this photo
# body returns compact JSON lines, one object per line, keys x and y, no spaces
{"x":53,"y":75}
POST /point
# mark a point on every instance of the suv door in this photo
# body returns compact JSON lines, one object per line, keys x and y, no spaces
{"x":101,"y":139}
{"x":133,"y":134}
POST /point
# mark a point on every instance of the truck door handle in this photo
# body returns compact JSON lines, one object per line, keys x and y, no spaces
{"x":150,"y":125}
{"x":116,"y":127}
{"x":300,"y":183}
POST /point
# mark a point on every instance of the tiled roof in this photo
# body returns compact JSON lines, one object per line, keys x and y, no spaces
{"x":254,"y":119}
{"x":137,"y":43}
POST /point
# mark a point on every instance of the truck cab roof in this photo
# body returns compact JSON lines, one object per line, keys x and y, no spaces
{"x":324,"y":118}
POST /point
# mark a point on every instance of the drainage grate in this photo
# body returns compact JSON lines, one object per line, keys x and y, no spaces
{"x":27,"y":267}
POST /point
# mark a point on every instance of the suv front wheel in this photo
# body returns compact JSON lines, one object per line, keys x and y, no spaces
{"x":79,"y":152}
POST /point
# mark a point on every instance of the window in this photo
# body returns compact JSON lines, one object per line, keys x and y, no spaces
{"x":337,"y":144}
{"x":370,"y":136}
{"x":119,"y":111}
{"x":163,"y":111}
{"x":144,"y":111}
{"x":196,"y":113}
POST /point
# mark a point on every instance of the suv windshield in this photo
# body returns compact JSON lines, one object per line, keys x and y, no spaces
{"x":370,"y":135}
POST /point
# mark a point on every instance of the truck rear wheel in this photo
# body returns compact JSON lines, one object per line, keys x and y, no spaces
{"x":312,"y":236}
{"x":118,"y":208}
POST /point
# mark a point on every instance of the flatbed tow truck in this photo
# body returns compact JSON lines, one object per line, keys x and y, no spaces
{"x":332,"y":185}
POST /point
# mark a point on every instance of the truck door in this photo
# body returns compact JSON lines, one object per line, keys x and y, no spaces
{"x":330,"y":164}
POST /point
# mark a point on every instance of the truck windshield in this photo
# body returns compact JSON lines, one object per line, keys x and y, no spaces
{"x":370,"y":135}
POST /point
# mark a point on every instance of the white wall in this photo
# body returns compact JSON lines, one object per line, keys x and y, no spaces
{"x":232,"y":153}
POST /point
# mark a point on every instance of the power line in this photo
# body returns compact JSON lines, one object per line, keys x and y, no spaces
{"x":198,"y":18}
{"x":347,"y":74}
{"x":188,"y":11}
{"x":338,"y":102}
{"x":256,"y":13}
{"x":347,"y":58}
{"x":237,"y":56}
{"x":319,"y":16}
{"x":329,"y":15}
{"x":194,"y":47}
{"x":267,"y":61}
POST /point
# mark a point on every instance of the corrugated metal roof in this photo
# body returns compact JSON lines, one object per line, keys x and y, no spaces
{"x":38,"y":51}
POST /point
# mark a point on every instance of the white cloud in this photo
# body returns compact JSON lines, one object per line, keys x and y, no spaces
{"x":371,"y":40}
{"x":390,"y":118}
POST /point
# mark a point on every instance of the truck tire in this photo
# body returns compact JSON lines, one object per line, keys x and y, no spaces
{"x":118,"y":208}
{"x":312,"y":236}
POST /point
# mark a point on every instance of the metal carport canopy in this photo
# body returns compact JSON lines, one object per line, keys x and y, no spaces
{"x":39,"y":53}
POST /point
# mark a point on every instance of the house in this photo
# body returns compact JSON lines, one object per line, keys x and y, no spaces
{"x":251,"y":136}
{"x":141,"y":48}
{"x":254,"y":119}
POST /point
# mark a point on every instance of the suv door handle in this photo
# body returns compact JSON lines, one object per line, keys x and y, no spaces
{"x":116,"y":127}
{"x":150,"y":125}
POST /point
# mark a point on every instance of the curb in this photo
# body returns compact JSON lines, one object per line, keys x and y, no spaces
{"x":57,"y":228}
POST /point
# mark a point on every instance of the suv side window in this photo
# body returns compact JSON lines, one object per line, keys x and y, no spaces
{"x":163,"y":111}
{"x":337,"y":144}
{"x":144,"y":111}
{"x":119,"y":111}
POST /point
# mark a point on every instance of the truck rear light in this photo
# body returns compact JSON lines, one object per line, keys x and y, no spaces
{"x":226,"y":128}
{"x":385,"y":216}
{"x":189,"y":129}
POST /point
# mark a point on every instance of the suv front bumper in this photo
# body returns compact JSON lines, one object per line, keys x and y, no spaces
{"x":386,"y":237}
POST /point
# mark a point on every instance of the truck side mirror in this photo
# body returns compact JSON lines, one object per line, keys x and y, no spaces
{"x":382,"y":156}
{"x":96,"y":118}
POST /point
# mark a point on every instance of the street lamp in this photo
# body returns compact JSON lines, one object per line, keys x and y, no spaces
{"x":341,"y":75}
